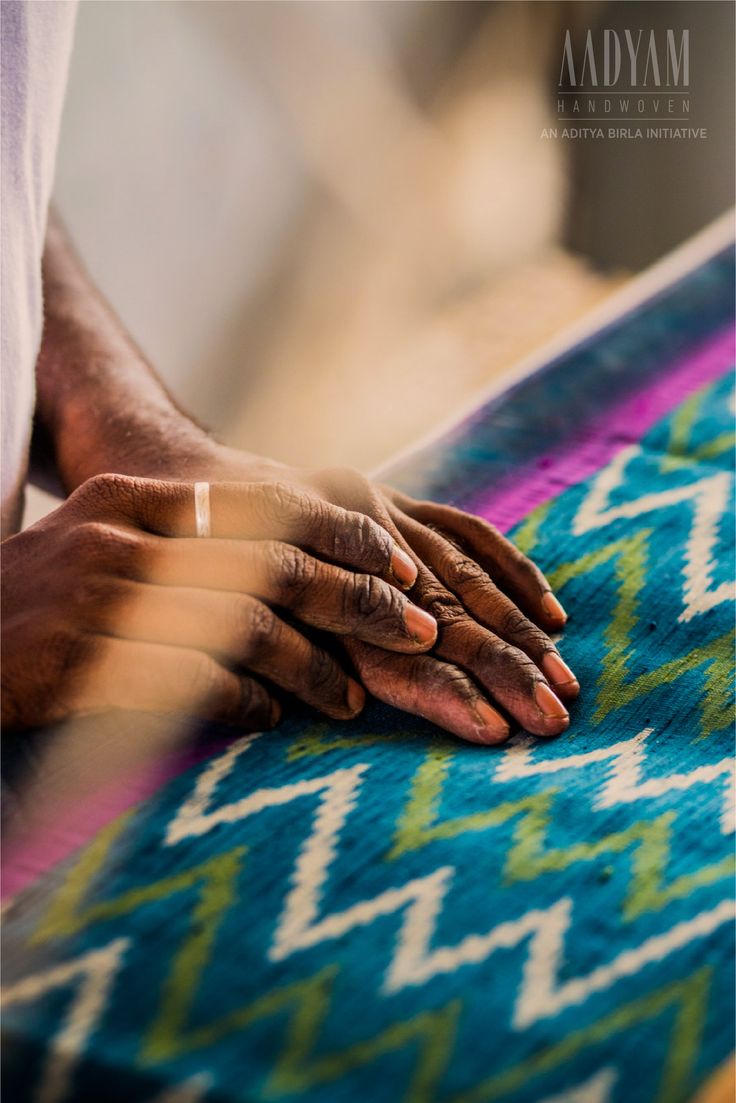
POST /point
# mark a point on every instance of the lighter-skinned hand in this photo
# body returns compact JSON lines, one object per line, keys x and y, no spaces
{"x":111,"y":602}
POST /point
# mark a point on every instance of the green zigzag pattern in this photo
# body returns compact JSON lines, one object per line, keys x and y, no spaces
{"x":614,"y":690}
{"x":529,"y":855}
{"x":679,"y":450}
{"x":307,"y":1002}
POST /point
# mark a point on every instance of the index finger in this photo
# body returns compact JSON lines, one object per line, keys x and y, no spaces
{"x":257,"y":511}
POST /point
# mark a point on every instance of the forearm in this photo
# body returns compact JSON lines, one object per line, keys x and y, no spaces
{"x":98,"y":399}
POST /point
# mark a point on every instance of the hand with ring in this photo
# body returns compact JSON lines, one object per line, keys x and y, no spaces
{"x":111,"y":602}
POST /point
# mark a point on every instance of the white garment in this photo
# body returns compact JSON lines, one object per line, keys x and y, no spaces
{"x":35,"y":44}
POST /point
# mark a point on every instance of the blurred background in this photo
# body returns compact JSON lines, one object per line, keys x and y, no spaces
{"x":329,"y":225}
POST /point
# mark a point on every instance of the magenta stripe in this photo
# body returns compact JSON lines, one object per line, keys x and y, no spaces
{"x":592,"y":448}
{"x":595,"y":444}
{"x":24,"y":862}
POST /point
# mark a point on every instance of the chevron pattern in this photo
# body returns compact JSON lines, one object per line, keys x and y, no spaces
{"x":90,"y":977}
{"x":624,"y":782}
{"x":379,"y":913}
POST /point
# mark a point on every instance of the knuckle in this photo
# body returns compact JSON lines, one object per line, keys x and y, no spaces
{"x":442,"y":605}
{"x":39,"y":685}
{"x":453,"y":680}
{"x":107,"y":488}
{"x":512,"y":665}
{"x":499,"y":651}
{"x":294,"y":571}
{"x":61,"y":654}
{"x":367,"y":597}
{"x":57,"y":644}
{"x":324,"y":675}
{"x":255,"y":628}
{"x":91,"y":539}
{"x":318,"y":526}
{"x":279,"y":503}
{"x":201,"y":677}
{"x":524,"y":633}
{"x":99,"y":542}
{"x":462,"y":571}
{"x":357,"y":536}
{"x":515,"y":624}
{"x":388,"y":676}
{"x":99,"y":593}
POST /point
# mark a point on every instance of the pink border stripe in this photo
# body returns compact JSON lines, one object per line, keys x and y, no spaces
{"x":24,"y":863}
{"x":596,"y":444}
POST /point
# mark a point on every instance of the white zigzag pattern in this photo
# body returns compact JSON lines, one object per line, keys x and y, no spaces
{"x":413,"y":961}
{"x":95,"y":972}
{"x":624,"y":783}
{"x":540,"y":995}
{"x":596,"y":1089}
{"x":189,"y":1091}
{"x":192,"y":818}
{"x":710,"y":501}
{"x":300,"y":927}
{"x":340,"y":793}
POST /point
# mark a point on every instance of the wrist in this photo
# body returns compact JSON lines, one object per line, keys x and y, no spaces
{"x":98,"y":400}
{"x":150,"y":442}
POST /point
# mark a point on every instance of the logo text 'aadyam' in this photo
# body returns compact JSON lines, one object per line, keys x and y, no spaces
{"x":636,"y":59}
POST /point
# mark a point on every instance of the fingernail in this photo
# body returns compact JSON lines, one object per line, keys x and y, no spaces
{"x":491,"y":721}
{"x":356,"y":697}
{"x":403,"y":567}
{"x":550,"y":705}
{"x":552,"y":607}
{"x":420,"y":625}
{"x":557,"y":671}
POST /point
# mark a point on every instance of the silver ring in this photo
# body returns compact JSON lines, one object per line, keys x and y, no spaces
{"x":202,"y":515}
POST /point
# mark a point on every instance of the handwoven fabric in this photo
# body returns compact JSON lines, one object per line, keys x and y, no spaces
{"x":376,"y":911}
